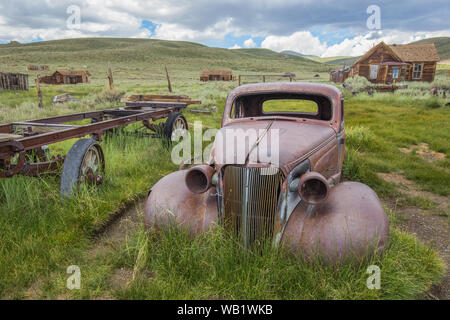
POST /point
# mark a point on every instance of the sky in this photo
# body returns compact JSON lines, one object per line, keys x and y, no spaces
{"x":313,"y":27}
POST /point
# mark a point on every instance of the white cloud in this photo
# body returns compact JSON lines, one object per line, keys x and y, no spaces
{"x":249,"y":43}
{"x":301,"y":41}
{"x":171,"y":31}
{"x":304,"y":42}
{"x":236,"y":46}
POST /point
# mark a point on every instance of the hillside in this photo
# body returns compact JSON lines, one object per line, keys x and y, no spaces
{"x":442,"y":45}
{"x":294,"y":53}
{"x":348,"y":61}
{"x":136,"y":59}
{"x":328,"y":60}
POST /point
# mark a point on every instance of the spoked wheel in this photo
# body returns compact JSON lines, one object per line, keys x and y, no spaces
{"x":13,"y":160}
{"x":175,"y":122}
{"x":84,"y":163}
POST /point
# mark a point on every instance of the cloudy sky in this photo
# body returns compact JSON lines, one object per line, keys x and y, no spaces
{"x":318,"y":27}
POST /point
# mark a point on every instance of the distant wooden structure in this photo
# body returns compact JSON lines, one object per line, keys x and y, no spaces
{"x":339,"y":75}
{"x":33,"y":67}
{"x":265,"y":77}
{"x":13,"y":81}
{"x":394,"y":63}
{"x":67,"y":77}
{"x":216,"y":75}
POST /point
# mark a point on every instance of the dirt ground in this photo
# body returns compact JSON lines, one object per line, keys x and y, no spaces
{"x":431,"y":226}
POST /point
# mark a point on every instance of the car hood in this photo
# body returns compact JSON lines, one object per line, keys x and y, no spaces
{"x":280,"y":143}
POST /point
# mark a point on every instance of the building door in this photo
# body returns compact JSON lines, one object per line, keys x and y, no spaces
{"x":373,"y":71}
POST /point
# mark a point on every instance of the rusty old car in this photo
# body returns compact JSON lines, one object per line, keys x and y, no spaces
{"x":296,"y":199}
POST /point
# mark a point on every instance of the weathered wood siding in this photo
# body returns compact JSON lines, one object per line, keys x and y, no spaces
{"x":13,"y":81}
{"x":428,"y":71}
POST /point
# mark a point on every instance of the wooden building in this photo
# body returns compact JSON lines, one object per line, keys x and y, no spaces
{"x":38,"y":68}
{"x":394,"y":63}
{"x":67,"y":77}
{"x":13,"y":81}
{"x":216,"y":75}
{"x":339,"y":75}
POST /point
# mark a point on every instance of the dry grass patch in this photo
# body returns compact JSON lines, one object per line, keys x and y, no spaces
{"x":423,"y":150}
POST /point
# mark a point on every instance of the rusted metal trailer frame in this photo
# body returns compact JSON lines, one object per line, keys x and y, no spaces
{"x":19,"y":139}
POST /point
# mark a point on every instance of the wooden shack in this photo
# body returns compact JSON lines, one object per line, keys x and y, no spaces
{"x":67,"y":77}
{"x":340,"y":75}
{"x":216,"y":75}
{"x":394,"y":63}
{"x":13,"y":81}
{"x":33,"y":67}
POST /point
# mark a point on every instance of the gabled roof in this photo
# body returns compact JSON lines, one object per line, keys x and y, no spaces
{"x":406,"y":52}
{"x":416,"y":52}
{"x":372,"y":50}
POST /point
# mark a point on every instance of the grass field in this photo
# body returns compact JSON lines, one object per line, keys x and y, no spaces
{"x":41,"y":235}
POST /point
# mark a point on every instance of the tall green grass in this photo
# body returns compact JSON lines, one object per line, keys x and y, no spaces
{"x":171,"y":264}
{"x":40,"y":232}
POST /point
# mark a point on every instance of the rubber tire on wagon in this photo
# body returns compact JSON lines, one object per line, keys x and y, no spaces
{"x":174,"y":121}
{"x":72,"y":174}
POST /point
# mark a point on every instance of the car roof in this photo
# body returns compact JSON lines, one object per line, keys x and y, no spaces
{"x":287,"y":87}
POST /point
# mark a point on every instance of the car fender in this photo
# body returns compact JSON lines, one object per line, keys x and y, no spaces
{"x":351,"y":223}
{"x":171,"y":201}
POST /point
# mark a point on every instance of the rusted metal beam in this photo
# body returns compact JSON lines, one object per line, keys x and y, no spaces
{"x":36,"y":141}
{"x":159,"y":104}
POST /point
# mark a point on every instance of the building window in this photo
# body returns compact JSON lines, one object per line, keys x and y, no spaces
{"x":417,"y":72}
{"x":395,"y":73}
{"x":373,"y":71}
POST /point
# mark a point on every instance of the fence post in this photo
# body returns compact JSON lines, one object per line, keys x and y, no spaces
{"x":39,"y":92}
{"x":168,"y":79}
{"x":110,"y":78}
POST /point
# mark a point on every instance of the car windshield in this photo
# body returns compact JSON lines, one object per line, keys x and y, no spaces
{"x":282,"y":104}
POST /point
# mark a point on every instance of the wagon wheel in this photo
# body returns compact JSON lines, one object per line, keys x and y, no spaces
{"x":175,"y":121}
{"x":12,"y":162}
{"x":84,"y":163}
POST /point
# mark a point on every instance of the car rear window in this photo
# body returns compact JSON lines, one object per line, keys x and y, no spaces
{"x":290,"y":105}
{"x":312,"y":106}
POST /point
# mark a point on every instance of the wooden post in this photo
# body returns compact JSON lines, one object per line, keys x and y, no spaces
{"x":110,"y":78}
{"x":264,"y":78}
{"x":239,"y":80}
{"x":168,"y":79}
{"x":39,"y":92}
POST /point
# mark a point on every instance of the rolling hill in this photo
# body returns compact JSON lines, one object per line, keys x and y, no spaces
{"x":136,"y":59}
{"x":442,"y":45}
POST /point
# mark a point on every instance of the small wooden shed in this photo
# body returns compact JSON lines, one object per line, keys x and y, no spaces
{"x":13,"y":81}
{"x":216,"y":75}
{"x":394,"y":63}
{"x":34,"y":67}
{"x":67,"y":77}
{"x":339,"y":75}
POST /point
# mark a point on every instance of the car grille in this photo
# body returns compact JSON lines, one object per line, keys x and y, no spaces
{"x":250,"y":201}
